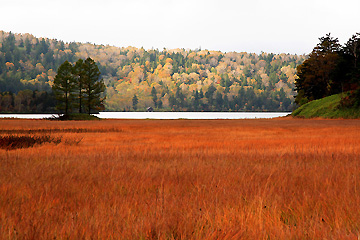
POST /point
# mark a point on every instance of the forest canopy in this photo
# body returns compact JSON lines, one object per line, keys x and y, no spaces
{"x":166,"y":80}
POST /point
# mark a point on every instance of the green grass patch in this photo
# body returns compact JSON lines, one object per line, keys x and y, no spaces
{"x":328,"y":107}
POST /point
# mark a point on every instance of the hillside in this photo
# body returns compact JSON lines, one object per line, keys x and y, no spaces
{"x":328,"y":107}
{"x":167,"y":80}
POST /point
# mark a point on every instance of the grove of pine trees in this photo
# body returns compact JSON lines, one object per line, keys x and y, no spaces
{"x":79,"y":87}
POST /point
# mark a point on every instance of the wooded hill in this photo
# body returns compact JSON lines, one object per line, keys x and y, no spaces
{"x":135,"y":78}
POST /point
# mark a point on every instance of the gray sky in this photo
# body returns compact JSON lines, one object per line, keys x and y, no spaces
{"x":278,"y":26}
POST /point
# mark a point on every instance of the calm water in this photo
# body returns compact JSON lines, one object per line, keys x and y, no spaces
{"x":165,"y":115}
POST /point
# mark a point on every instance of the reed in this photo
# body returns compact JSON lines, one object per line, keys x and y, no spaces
{"x":13,"y":141}
{"x":183,"y":179}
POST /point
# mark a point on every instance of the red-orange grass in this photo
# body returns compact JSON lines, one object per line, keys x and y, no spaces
{"x":183,"y":179}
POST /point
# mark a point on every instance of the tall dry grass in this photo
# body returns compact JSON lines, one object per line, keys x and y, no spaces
{"x":183,"y":179}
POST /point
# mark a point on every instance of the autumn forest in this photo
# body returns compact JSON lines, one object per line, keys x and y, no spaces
{"x":135,"y":78}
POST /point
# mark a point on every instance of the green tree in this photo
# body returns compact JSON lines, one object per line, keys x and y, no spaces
{"x":78,"y":71}
{"x":180,"y":97}
{"x":352,"y":66}
{"x":27,"y":46}
{"x":64,"y":87}
{"x":154,"y":96}
{"x":226,"y":102}
{"x":93,"y":86}
{"x":352,"y":48}
{"x":135,"y":101}
{"x":210,"y":93}
{"x":196,"y":101}
{"x":317,"y":76}
{"x":219,"y":101}
{"x":352,"y":53}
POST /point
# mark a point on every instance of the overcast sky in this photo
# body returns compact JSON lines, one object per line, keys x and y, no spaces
{"x":278,"y":26}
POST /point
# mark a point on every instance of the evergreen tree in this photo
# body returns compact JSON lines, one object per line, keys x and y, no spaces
{"x":27,"y":46}
{"x":93,"y":86}
{"x":135,"y":102}
{"x":78,"y":71}
{"x":352,"y":55}
{"x":64,"y":87}
{"x":219,"y":101}
{"x":154,"y":96}
{"x":209,"y":94}
{"x":351,"y":67}
{"x":196,"y":101}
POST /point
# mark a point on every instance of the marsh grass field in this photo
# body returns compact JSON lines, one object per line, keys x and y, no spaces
{"x":281,"y":178}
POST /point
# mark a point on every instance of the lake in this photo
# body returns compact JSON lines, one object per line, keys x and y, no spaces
{"x":165,"y":115}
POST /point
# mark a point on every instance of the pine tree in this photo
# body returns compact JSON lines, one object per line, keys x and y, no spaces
{"x":64,"y":87}
{"x":135,"y":102}
{"x":154,"y":96}
{"x":93,"y":86}
{"x":78,"y":71}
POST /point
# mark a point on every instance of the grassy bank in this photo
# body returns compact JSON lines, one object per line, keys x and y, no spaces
{"x":328,"y":107}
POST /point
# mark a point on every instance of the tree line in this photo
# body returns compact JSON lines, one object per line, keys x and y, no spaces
{"x":202,"y":80}
{"x":331,"y":68}
{"x":167,"y":80}
{"x":25,"y":101}
{"x":213,"y":100}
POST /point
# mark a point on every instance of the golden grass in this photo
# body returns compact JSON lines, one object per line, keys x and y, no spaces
{"x":183,"y":179}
